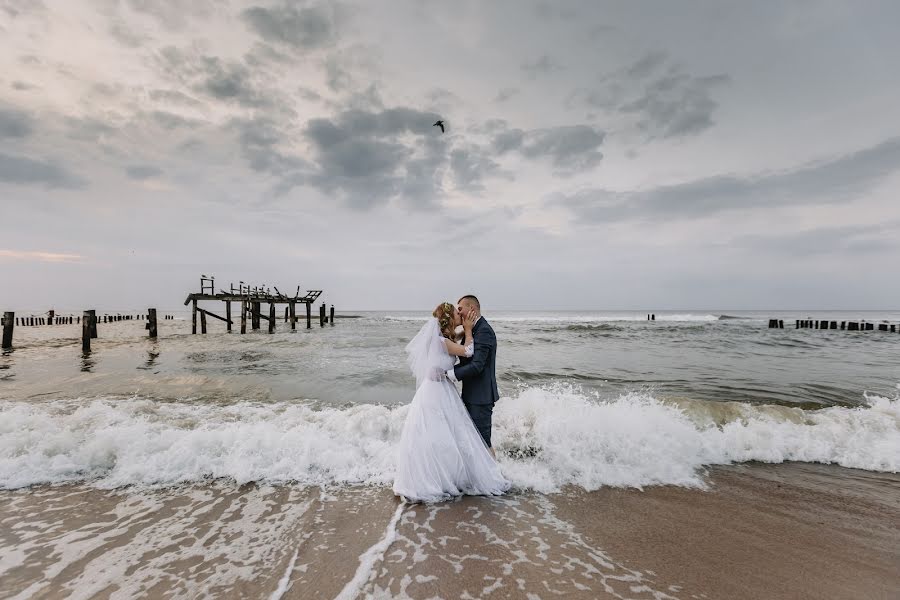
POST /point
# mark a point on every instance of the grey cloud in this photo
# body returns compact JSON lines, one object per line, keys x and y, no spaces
{"x":88,"y":129}
{"x":359,"y":155}
{"x":843,"y":241}
{"x":27,"y":171}
{"x":836,"y":180}
{"x":676,"y":105}
{"x":505,"y":94}
{"x":174,"y":97}
{"x":174,"y":14}
{"x":303,"y":28}
{"x":14,"y":124}
{"x":142,"y":172}
{"x":470,"y":166}
{"x":22,"y":86}
{"x":664,"y":101}
{"x":262,"y":143}
{"x":309,"y":94}
{"x":571,"y":148}
{"x":647,"y":65}
{"x":548,"y":10}
{"x":541,"y":66}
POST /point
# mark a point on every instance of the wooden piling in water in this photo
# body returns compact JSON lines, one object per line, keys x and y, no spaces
{"x":331,"y":319}
{"x":322,"y":315}
{"x":93,"y":321}
{"x":9,"y":320}
{"x":202,"y":321}
{"x":228,"y":315}
{"x":243,"y":316}
{"x":194,"y":317}
{"x":151,"y":322}
{"x":87,"y":331}
{"x":254,"y":315}
{"x":292,"y":313}
{"x":308,"y":315}
{"x":271,"y":317}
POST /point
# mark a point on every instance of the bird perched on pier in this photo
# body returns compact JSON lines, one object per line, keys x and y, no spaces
{"x":439,"y":124}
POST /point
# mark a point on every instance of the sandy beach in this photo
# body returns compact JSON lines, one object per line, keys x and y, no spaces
{"x":758,"y":531}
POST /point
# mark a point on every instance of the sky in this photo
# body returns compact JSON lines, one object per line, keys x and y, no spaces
{"x":597,"y":155}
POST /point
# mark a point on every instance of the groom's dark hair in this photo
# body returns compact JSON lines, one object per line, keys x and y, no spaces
{"x":471,"y":299}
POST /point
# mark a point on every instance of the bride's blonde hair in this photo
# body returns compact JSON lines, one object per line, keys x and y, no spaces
{"x":444,"y":314}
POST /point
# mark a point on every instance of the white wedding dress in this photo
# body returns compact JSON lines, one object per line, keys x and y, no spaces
{"x":441,"y":454}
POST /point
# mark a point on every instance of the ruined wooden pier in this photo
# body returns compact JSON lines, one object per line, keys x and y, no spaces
{"x":251,"y":299}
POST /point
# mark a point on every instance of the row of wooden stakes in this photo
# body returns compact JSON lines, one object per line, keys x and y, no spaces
{"x":73,"y":320}
{"x":823,"y":324}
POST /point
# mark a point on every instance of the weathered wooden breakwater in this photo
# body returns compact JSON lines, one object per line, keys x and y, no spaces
{"x":841,"y":325}
{"x":250,"y":298}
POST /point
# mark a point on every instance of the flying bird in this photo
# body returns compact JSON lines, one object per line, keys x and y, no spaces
{"x":439,"y":124}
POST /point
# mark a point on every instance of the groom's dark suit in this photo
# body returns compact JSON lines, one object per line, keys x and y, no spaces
{"x":479,"y":378}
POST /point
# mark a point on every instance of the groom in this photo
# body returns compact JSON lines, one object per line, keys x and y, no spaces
{"x":478,"y":374}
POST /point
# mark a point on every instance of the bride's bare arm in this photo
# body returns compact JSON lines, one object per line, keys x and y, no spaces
{"x":467,"y":348}
{"x":464,"y":349}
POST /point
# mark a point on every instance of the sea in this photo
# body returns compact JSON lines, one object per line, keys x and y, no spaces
{"x":163,"y":431}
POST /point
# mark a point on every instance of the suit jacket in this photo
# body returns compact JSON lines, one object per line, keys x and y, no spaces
{"x":478,"y":373}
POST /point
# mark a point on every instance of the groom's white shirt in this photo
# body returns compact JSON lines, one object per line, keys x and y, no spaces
{"x":470,"y":350}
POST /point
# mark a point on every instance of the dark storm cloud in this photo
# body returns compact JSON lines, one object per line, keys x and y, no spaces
{"x":827,"y":182}
{"x":304,"y":28}
{"x":14,"y":123}
{"x":26,"y":171}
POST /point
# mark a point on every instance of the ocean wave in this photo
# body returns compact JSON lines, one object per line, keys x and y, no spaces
{"x":563,"y":319}
{"x":546,"y":437}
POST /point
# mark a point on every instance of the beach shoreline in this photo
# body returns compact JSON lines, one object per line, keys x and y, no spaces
{"x":791,"y":530}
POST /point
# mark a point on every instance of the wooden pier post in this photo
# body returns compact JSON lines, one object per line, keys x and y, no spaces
{"x":194,"y":318}
{"x":243,"y":316}
{"x":322,"y":315}
{"x":773,"y":323}
{"x":52,"y":314}
{"x":228,"y":314}
{"x":9,"y":319}
{"x":332,"y":315}
{"x":86,"y":331}
{"x":202,"y":321}
{"x":308,"y":315}
{"x":271,"y":317}
{"x":834,"y":324}
{"x":254,"y":315}
{"x":287,"y":314}
{"x":292,"y":313}
{"x":151,"y":321}
{"x":93,"y":320}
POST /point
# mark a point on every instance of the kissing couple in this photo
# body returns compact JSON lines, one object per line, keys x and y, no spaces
{"x":445,"y":447}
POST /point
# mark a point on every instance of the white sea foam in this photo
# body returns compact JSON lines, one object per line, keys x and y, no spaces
{"x":546,"y":437}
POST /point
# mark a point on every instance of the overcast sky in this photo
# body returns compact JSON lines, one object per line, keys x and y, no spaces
{"x":598,"y":155}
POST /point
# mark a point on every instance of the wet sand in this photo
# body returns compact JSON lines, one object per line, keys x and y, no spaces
{"x":759,"y":531}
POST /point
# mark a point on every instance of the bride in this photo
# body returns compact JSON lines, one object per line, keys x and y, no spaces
{"x":441,"y":454}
